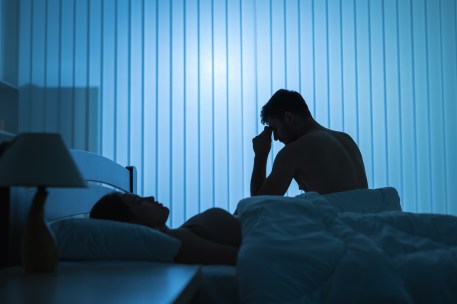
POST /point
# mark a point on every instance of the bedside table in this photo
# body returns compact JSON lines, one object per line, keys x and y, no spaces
{"x":102,"y":282}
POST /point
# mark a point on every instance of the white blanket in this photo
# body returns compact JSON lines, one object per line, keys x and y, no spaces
{"x":307,"y":250}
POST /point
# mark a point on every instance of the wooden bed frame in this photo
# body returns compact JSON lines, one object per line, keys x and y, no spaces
{"x":102,"y":176}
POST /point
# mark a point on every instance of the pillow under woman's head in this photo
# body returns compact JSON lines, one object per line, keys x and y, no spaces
{"x":113,"y":232}
{"x":94,"y":239}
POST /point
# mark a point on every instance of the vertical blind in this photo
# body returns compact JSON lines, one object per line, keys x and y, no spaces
{"x":1,"y":41}
{"x":175,"y":88}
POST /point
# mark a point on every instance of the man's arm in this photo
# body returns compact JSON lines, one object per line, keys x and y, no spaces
{"x":259,"y":173}
{"x":261,"y":145}
{"x":280,"y":177}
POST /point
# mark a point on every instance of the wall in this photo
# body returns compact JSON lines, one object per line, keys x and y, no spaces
{"x":179,"y":85}
{"x":8,"y":42}
{"x":9,"y":102}
{"x":1,"y":38}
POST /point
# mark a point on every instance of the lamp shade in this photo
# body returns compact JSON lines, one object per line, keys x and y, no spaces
{"x":39,"y":160}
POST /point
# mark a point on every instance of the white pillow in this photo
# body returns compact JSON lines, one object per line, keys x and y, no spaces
{"x":366,"y":200}
{"x":94,"y":239}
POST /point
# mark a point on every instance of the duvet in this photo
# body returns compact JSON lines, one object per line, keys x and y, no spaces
{"x":308,"y":249}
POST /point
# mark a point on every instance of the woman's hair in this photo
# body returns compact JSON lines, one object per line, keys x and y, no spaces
{"x":284,"y":101}
{"x":111,"y":207}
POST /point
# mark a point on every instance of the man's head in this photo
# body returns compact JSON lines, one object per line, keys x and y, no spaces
{"x":284,"y":101}
{"x":284,"y":113}
{"x":131,"y":208}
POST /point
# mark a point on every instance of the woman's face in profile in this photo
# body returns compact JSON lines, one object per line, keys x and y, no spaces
{"x":146,"y":211}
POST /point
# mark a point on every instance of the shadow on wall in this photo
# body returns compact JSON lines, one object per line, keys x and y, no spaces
{"x":72,"y":112}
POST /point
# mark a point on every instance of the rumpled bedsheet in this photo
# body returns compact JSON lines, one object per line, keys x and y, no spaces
{"x":307,"y":250}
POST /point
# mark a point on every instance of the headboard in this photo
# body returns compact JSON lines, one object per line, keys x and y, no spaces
{"x":102,"y":175}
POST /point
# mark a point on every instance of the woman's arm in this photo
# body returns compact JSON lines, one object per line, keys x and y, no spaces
{"x":197,"y":250}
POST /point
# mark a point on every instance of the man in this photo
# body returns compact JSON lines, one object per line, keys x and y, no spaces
{"x":317,"y":158}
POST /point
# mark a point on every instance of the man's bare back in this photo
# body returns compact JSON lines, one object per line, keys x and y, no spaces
{"x":317,"y":158}
{"x":326,"y":161}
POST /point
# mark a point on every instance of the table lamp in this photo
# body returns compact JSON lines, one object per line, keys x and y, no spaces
{"x":38,"y":160}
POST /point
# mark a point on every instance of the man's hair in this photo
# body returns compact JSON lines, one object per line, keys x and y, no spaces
{"x":111,"y":207}
{"x":284,"y":101}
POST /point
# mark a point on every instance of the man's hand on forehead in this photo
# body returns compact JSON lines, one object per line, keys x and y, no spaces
{"x":268,"y":129}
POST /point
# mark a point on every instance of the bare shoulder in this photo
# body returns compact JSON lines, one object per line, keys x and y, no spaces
{"x":323,"y":134}
{"x":316,"y":143}
{"x":309,"y":142}
{"x":323,"y":137}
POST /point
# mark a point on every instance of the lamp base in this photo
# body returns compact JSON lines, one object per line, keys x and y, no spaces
{"x":39,"y":250}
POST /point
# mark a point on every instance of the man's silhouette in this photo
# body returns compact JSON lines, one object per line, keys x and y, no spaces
{"x":317,"y":158}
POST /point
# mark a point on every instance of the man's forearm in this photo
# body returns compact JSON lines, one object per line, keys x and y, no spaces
{"x":259,"y":173}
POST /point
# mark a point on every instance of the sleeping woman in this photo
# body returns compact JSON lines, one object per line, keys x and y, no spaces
{"x":210,"y":237}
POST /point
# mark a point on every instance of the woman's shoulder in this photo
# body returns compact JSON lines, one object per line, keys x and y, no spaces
{"x":217,"y":210}
{"x":210,"y":217}
{"x":211,"y":214}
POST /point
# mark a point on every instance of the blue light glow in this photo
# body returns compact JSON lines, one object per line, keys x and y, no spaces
{"x":175,"y":88}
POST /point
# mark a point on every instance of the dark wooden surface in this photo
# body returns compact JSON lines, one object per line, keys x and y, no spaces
{"x":102,"y":282}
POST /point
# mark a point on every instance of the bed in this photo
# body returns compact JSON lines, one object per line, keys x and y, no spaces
{"x":350,"y":247}
{"x":310,"y":250}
